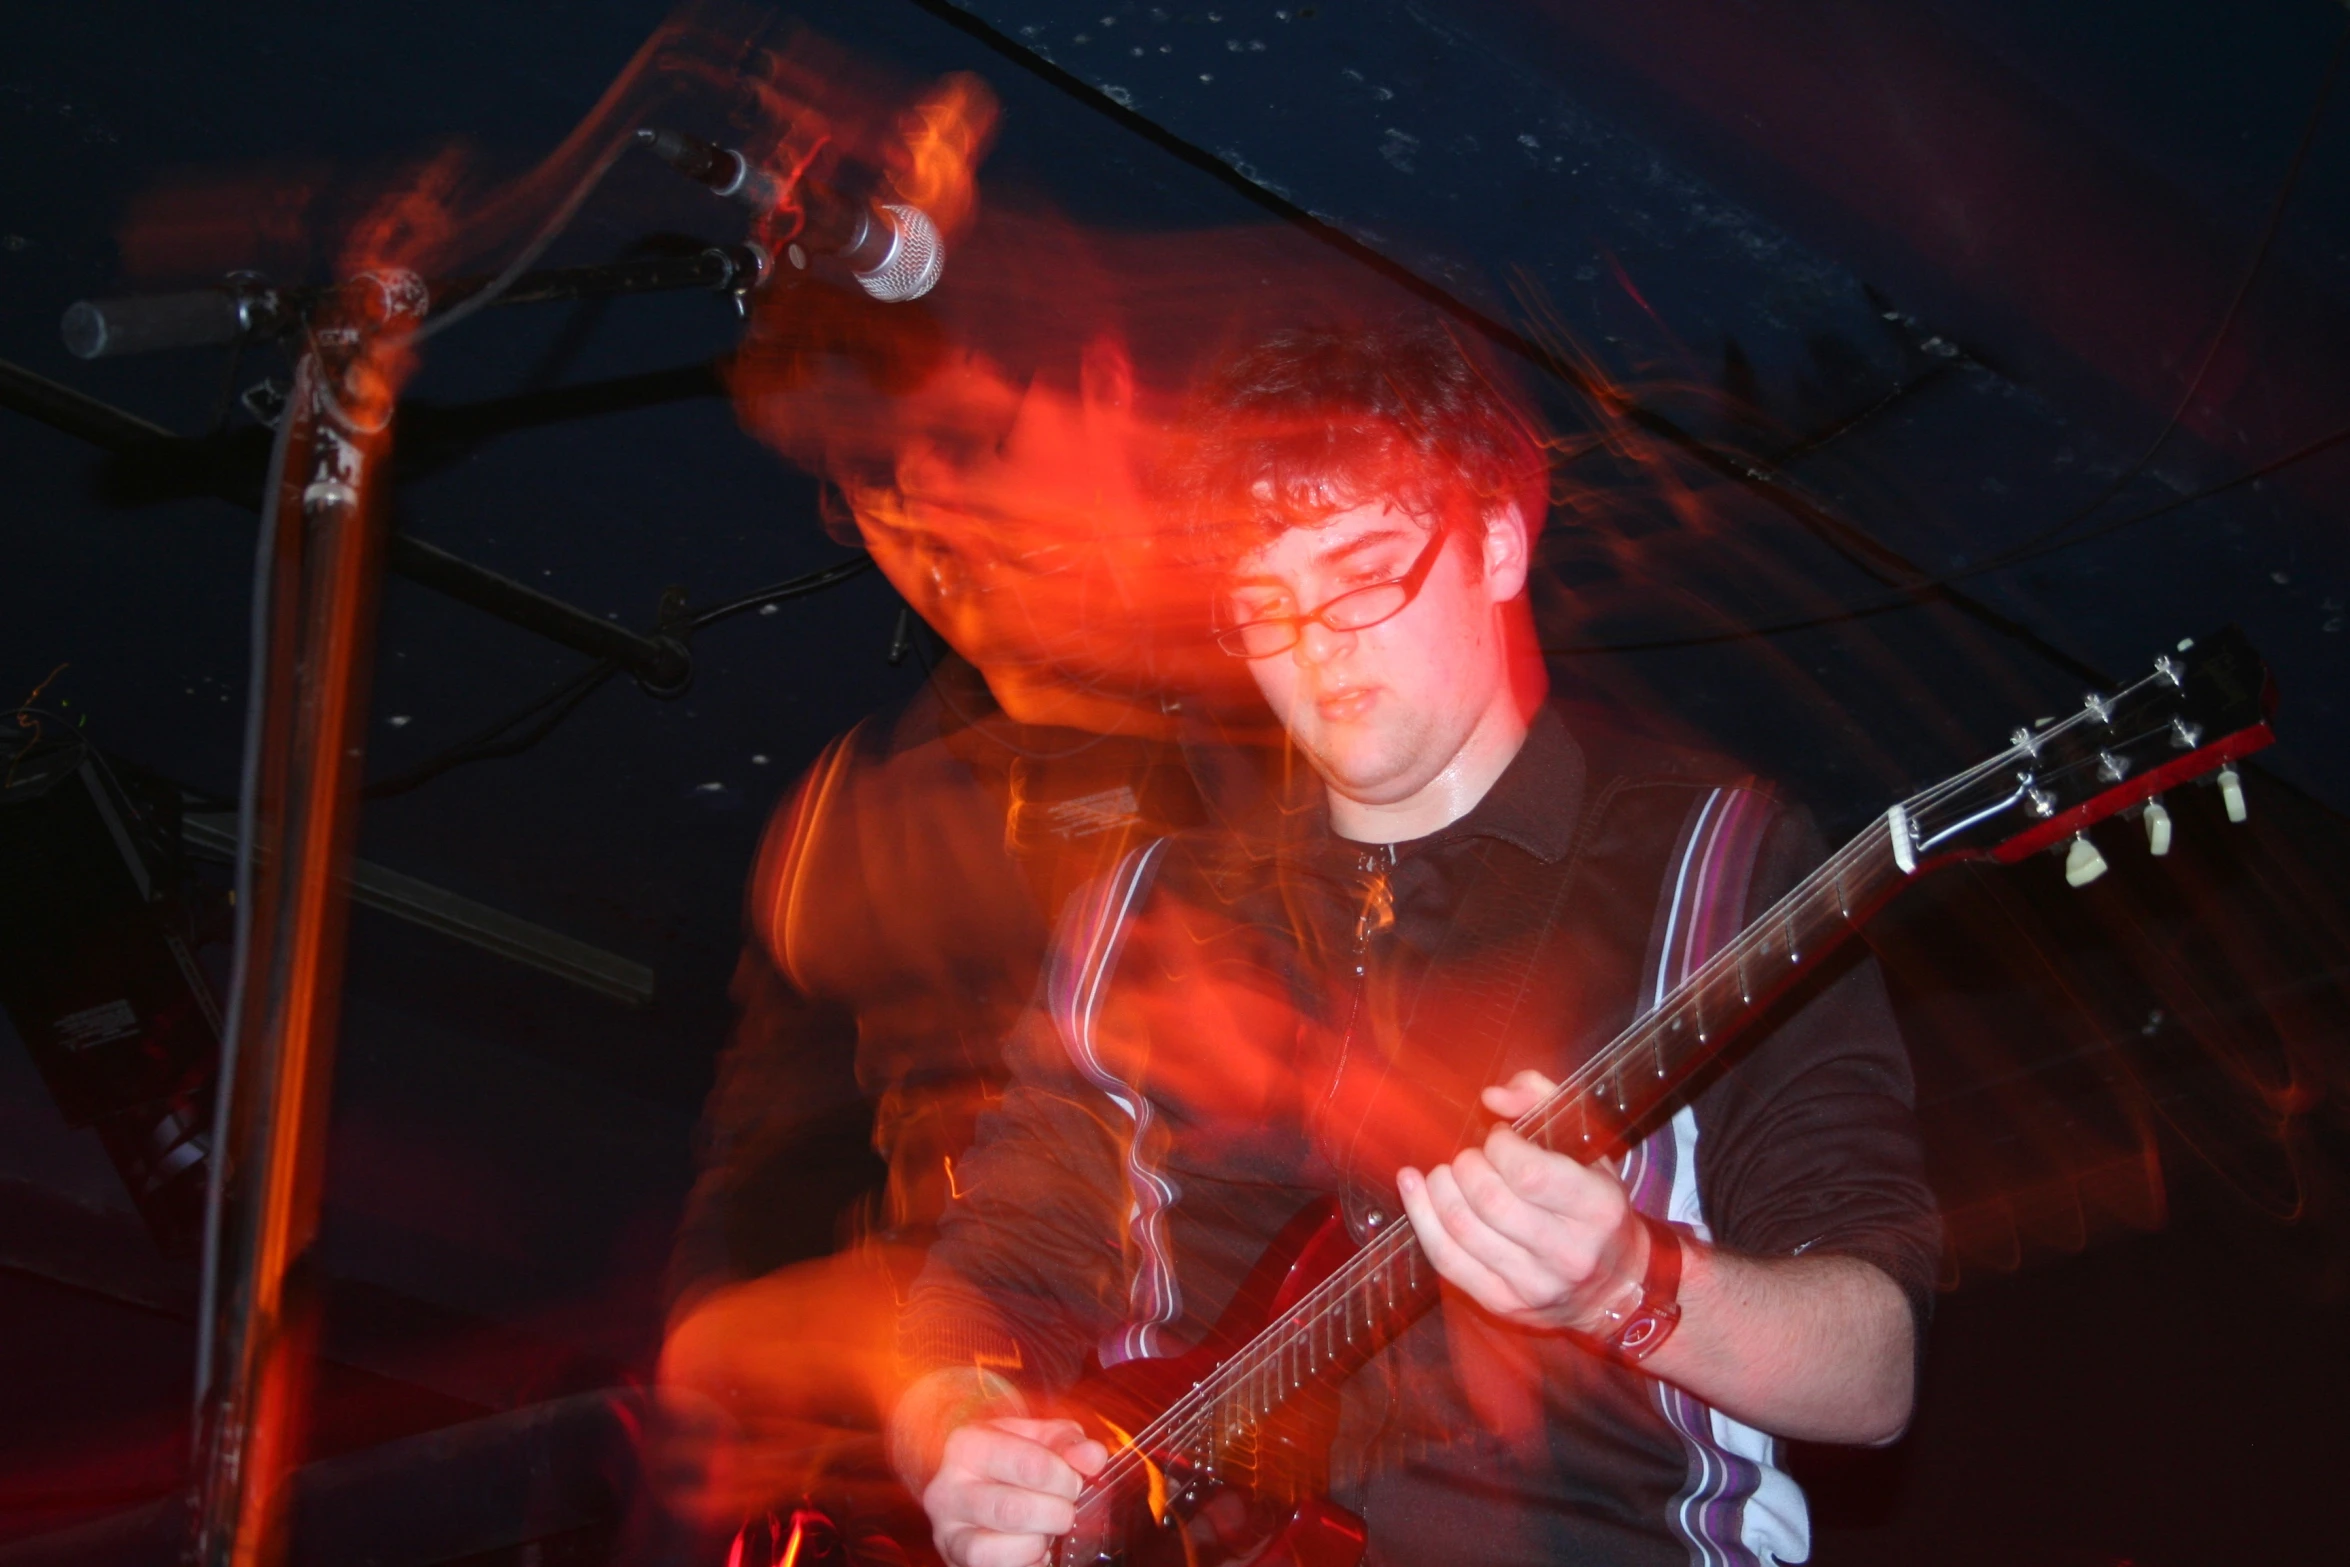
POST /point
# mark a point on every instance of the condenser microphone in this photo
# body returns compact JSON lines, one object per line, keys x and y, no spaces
{"x":892,"y":250}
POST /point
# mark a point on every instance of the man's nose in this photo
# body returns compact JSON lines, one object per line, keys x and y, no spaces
{"x":1318,"y":644}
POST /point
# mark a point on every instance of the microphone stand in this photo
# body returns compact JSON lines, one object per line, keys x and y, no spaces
{"x":259,"y":1315}
{"x":318,"y":589}
{"x":247,"y":309}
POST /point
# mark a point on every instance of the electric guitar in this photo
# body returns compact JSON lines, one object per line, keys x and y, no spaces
{"x":1218,"y":1455}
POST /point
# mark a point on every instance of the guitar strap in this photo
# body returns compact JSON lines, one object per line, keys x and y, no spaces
{"x":1737,"y":1506}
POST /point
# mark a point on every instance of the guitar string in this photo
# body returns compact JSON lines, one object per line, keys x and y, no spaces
{"x":1195,"y":1408}
{"x":1191,"y":1412}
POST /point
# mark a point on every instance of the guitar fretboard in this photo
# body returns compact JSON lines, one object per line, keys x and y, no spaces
{"x":2186,"y":719}
{"x":1608,"y":1101}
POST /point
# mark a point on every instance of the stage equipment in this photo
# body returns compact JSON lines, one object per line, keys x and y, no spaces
{"x":893,"y":250}
{"x":314,"y":603}
{"x":247,"y":309}
{"x":98,"y":926}
{"x":315,"y":598}
{"x":214,"y":833}
{"x":660,"y":662}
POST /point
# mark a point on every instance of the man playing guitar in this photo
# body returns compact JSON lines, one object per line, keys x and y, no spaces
{"x":1484,"y":887}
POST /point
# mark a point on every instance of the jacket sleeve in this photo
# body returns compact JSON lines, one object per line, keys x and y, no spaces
{"x":1809,"y":1143}
{"x":1028,"y":1273}
{"x":783,"y":1148}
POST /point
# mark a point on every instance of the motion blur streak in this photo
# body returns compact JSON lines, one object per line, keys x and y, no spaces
{"x":1001,"y":450}
{"x":1000,"y":447}
{"x":794,"y":103}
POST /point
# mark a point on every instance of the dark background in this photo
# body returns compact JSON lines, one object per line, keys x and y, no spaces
{"x":1966,"y":263}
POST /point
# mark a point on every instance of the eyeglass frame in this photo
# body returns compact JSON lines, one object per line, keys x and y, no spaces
{"x":1411,"y":582}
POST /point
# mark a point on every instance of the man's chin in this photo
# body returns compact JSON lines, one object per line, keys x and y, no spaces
{"x":1364,"y":774}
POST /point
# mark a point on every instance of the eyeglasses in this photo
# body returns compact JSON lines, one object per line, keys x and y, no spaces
{"x":1354,"y":610}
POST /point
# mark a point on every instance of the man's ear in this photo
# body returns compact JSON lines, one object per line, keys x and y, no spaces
{"x":1508,"y":552}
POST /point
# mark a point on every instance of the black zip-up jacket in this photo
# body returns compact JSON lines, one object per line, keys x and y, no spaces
{"x":1228,"y":1030}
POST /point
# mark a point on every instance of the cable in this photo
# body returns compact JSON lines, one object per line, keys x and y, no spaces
{"x":494,"y":743}
{"x":2053,"y":538}
{"x":1999,"y":562}
{"x":497,"y":741}
{"x":795,"y":587}
{"x":248,"y":827}
{"x":531,"y":252}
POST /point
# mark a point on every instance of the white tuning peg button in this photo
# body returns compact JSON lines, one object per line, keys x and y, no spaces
{"x":2157,"y":829}
{"x":2231,"y":793}
{"x":2082,"y":863}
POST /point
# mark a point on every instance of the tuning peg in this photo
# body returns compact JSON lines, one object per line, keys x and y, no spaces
{"x":2231,"y":793}
{"x":2082,"y":863}
{"x":2157,"y":829}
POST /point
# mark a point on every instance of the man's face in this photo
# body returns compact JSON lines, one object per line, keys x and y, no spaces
{"x":1384,"y":710}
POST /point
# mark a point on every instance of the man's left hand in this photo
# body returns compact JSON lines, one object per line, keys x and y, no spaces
{"x":1532,"y":1236}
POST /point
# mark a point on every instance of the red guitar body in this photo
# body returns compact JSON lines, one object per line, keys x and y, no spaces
{"x":1262,"y":1507}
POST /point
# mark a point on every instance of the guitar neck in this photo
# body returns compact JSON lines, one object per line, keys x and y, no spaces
{"x":1594,"y":1114}
{"x":1617,"y":1094}
{"x":2205,"y":705}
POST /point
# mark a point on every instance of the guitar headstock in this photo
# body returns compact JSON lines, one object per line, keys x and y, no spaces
{"x":2205,"y":704}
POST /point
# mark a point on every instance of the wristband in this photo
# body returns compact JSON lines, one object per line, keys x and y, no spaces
{"x":1635,"y":1330}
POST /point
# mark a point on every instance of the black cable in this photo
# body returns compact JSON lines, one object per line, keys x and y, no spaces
{"x":557,"y":222}
{"x":498,"y":741}
{"x":241,"y":979}
{"x":796,"y":587}
{"x":2016,"y":557}
{"x":494,"y":743}
{"x":2053,"y":538}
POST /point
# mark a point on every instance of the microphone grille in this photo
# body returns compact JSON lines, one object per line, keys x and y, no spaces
{"x":915,"y":258}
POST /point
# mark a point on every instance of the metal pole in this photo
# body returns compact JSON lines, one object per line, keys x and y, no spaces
{"x":260,"y":1309}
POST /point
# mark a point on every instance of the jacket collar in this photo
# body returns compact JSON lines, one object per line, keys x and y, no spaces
{"x":1534,"y":805}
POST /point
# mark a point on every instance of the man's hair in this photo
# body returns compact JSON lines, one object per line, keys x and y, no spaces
{"x":1314,"y":421}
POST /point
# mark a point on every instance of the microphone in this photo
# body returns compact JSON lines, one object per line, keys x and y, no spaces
{"x":892,"y":250}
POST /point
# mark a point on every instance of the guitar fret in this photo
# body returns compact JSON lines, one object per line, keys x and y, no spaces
{"x":1385,"y":1284}
{"x":1220,"y":1422}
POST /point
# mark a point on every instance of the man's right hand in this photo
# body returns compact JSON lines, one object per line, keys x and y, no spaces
{"x":1005,"y":1489}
